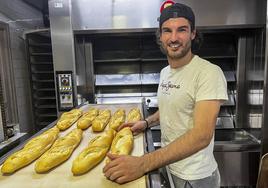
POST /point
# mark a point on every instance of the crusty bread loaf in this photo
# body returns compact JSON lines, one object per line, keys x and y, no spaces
{"x":117,"y":119}
{"x":86,"y":120}
{"x":100,"y":122}
{"x":68,"y":118}
{"x":60,"y":151}
{"x":31,"y":151}
{"x":134,"y":115}
{"x":123,"y":142}
{"x":94,"y":153}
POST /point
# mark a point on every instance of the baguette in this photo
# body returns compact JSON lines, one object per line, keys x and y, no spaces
{"x":100,"y":122}
{"x":59,"y":152}
{"x":68,"y":118}
{"x":134,"y":115}
{"x":117,"y":119}
{"x":31,"y":151}
{"x":86,"y":120}
{"x":93,"y":154}
{"x":123,"y":142}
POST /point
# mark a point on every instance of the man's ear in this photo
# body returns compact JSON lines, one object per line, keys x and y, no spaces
{"x":193,"y":34}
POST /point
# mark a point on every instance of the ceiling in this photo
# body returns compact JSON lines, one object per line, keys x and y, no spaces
{"x":41,"y":5}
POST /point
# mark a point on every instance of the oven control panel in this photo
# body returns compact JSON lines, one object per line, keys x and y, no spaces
{"x":65,"y":90}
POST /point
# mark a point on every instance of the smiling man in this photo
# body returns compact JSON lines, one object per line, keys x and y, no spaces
{"x":190,"y":93}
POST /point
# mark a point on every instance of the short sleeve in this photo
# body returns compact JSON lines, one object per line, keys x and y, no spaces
{"x":211,"y":84}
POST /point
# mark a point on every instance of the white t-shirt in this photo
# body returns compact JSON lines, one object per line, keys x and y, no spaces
{"x":179,"y":89}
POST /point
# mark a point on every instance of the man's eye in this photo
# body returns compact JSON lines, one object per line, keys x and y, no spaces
{"x":181,"y":29}
{"x":166,"y":31}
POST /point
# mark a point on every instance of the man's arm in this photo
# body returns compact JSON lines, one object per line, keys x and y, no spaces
{"x":153,"y":119}
{"x":140,"y":126}
{"x":123,"y":169}
{"x":199,"y":137}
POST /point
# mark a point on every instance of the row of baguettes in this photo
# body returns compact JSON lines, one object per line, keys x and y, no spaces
{"x":63,"y":147}
{"x":61,"y":150}
{"x":99,"y":119}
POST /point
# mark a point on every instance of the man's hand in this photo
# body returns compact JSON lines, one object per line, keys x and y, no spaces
{"x":136,"y":127}
{"x":124,"y":168}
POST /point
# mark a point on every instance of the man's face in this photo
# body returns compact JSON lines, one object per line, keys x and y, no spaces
{"x":176,"y":37}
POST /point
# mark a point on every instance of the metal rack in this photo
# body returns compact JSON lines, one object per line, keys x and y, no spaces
{"x":220,"y":48}
{"x":129,"y":69}
{"x":39,"y":51}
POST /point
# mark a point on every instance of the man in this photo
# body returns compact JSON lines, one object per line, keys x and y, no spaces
{"x":190,"y":93}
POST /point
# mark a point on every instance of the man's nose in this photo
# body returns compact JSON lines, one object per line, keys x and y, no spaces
{"x":174,"y":36}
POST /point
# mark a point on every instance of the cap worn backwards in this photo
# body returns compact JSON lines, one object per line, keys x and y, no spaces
{"x":177,"y":10}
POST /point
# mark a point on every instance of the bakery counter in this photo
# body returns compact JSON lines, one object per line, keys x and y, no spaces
{"x":61,"y":176}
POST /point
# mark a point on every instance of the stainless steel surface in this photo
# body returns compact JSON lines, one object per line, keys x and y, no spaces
{"x":21,"y":17}
{"x":265,"y":94}
{"x":241,"y":84}
{"x":235,"y":140}
{"x":19,"y":12}
{"x":255,"y":120}
{"x":154,"y":176}
{"x":8,"y":100}
{"x":226,"y":140}
{"x":113,"y":100}
{"x":238,"y":169}
{"x":2,"y":120}
{"x":255,"y":96}
{"x":62,"y":38}
{"x":11,"y":140}
{"x":119,"y":14}
{"x":85,"y":71}
{"x":225,"y":122}
{"x":118,"y":79}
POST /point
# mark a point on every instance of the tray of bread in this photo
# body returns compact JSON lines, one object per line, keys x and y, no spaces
{"x":72,"y":153}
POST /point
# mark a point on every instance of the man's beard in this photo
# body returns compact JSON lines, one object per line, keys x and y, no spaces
{"x":176,"y":55}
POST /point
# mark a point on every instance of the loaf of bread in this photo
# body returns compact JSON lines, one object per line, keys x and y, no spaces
{"x":86,"y":120}
{"x":94,"y":153}
{"x":123,"y":142}
{"x":31,"y":151}
{"x":100,"y":122}
{"x":134,"y":115}
{"x":68,"y":118}
{"x":117,"y":119}
{"x":60,"y":151}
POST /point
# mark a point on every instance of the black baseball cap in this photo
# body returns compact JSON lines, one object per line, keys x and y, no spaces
{"x":177,"y":10}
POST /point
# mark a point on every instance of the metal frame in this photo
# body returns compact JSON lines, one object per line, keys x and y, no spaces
{"x":118,"y":14}
{"x":60,"y":12}
{"x":7,"y":78}
{"x":264,"y":149}
{"x":241,"y":85}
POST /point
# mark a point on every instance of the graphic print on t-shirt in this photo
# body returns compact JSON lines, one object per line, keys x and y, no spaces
{"x":166,"y":86}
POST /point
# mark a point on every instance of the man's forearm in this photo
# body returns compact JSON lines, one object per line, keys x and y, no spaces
{"x":153,"y":119}
{"x":179,"y":149}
